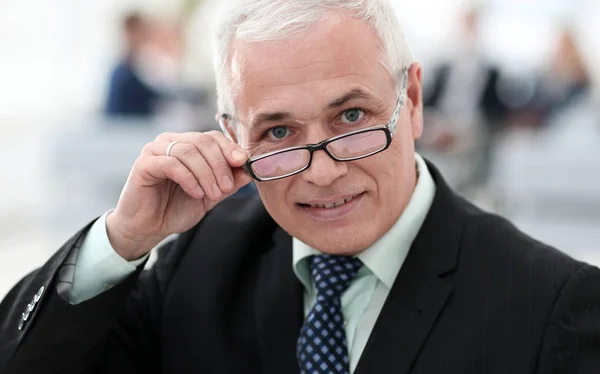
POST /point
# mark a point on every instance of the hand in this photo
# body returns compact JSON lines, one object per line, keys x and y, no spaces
{"x":165,"y":195}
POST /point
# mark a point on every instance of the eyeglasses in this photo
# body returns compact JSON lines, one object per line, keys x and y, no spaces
{"x":347,"y":147}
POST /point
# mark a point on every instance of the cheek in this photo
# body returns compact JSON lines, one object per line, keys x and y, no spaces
{"x":392,"y":167}
{"x":273,"y":194}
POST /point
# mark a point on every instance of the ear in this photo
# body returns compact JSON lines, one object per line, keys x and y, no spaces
{"x":415,"y":100}
{"x":224,"y":122}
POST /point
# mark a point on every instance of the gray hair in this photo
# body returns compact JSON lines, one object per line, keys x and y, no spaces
{"x":274,"y":20}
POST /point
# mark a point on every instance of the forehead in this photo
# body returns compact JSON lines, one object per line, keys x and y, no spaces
{"x":337,"y":55}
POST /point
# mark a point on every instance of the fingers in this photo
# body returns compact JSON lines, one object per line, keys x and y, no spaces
{"x":209,"y":157}
{"x":210,"y":169}
{"x":213,"y":155}
{"x":160,"y":168}
{"x":232,"y":152}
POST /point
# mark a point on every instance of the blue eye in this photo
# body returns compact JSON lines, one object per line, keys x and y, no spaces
{"x":352,"y":115}
{"x":278,"y":132}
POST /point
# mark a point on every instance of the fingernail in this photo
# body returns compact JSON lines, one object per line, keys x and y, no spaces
{"x":227,"y":183}
{"x":216,"y":190}
{"x":238,"y":155}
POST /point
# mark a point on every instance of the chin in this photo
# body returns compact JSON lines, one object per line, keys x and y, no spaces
{"x":347,"y":241}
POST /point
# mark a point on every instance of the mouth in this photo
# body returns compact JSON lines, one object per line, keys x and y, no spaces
{"x":332,"y":205}
{"x":332,"y":209}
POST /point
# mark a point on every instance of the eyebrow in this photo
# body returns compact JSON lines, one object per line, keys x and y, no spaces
{"x":280,"y":116}
{"x":270,"y":117}
{"x":354,"y":94}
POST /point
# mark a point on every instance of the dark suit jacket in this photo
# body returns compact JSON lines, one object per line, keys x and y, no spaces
{"x":474,"y":296}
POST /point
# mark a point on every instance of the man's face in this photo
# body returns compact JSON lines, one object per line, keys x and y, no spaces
{"x":328,"y":81}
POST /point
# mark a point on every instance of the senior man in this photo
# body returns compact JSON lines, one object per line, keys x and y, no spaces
{"x":355,"y":257}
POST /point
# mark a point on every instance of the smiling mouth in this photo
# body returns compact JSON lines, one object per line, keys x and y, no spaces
{"x":331,"y":205}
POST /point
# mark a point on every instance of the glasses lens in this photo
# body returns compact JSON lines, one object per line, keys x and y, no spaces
{"x":281,"y":164}
{"x":358,"y":145}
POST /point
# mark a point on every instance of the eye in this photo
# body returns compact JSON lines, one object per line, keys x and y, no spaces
{"x":352,"y":115}
{"x":278,"y":132}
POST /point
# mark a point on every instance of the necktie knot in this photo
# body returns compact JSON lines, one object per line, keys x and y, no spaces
{"x":332,"y":275}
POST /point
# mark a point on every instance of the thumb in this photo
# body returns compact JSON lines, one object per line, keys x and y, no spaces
{"x":240,"y":178}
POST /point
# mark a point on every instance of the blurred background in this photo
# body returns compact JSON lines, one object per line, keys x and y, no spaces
{"x":511,"y":92}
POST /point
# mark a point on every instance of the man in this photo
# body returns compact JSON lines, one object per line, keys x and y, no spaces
{"x":354,"y":258}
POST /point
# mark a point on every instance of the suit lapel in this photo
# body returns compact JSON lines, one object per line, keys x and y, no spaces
{"x":419,"y":292}
{"x":404,"y":323}
{"x":279,"y":308}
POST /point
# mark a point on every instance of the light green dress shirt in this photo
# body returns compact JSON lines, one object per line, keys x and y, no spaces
{"x":364,"y":299}
{"x":99,"y":267}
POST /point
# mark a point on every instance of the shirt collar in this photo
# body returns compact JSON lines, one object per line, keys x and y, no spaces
{"x":385,"y":257}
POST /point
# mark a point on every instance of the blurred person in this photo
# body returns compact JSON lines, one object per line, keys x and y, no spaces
{"x":463,"y":109}
{"x":566,"y":82}
{"x":148,"y":82}
{"x":464,"y":90}
{"x":129,"y":94}
{"x":355,"y":257}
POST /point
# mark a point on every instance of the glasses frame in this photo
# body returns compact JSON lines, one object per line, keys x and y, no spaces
{"x":389,"y":129}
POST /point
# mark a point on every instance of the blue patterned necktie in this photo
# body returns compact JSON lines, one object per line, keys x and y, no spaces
{"x":322,"y":345}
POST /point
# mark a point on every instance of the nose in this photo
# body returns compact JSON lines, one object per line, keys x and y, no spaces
{"x":324,"y":170}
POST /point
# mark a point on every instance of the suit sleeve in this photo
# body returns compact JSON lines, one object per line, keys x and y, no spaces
{"x":113,"y":332}
{"x":572,"y":341}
